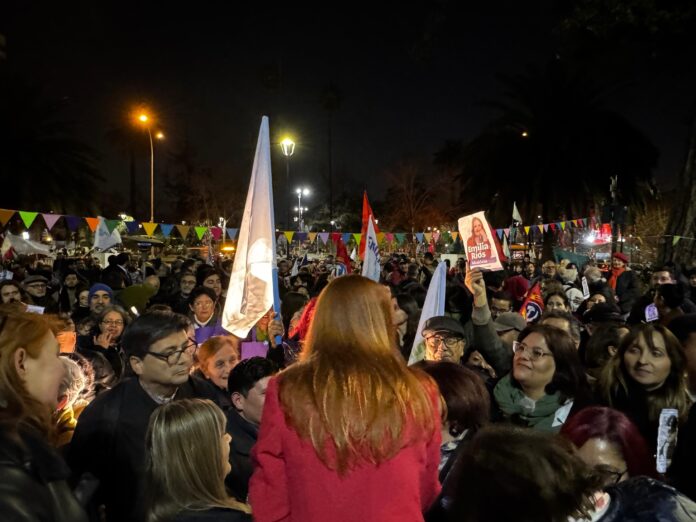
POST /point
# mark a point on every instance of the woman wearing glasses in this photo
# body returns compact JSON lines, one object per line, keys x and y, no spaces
{"x":102,"y":346}
{"x":547,"y":380}
{"x":608,"y":442}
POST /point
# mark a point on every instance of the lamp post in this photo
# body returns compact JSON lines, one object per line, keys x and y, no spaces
{"x":303,"y":191}
{"x":146,"y":121}
{"x":288,"y":148}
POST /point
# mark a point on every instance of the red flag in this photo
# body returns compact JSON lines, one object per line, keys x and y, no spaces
{"x":342,"y":253}
{"x":366,"y":213}
{"x":533,"y":305}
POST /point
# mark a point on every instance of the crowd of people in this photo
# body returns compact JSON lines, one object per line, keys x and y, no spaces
{"x":123,"y":397}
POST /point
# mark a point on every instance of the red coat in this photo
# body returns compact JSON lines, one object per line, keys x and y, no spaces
{"x":290,"y":483}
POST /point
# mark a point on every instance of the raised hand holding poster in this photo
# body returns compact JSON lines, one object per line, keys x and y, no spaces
{"x":478,"y":242}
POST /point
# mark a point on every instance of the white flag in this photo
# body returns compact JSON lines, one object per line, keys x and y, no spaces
{"x":506,"y":248}
{"x":103,"y":239}
{"x":354,"y":255}
{"x":294,"y":271}
{"x":371,"y":268}
{"x":433,"y":306}
{"x":250,"y":294}
{"x":23,"y":246}
{"x":516,"y":213}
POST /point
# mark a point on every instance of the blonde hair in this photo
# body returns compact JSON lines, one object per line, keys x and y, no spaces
{"x":352,"y":389}
{"x":185,"y":469}
{"x":18,"y":408}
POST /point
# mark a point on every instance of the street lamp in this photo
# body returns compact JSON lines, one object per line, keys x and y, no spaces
{"x":304,"y":191}
{"x":146,"y":121}
{"x":288,"y":148}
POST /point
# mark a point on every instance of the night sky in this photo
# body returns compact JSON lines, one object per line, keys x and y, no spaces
{"x":411,"y":77}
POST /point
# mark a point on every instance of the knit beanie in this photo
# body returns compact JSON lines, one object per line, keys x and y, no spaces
{"x":100,"y":286}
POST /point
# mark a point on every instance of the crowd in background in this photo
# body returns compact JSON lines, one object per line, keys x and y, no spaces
{"x":123,"y":397}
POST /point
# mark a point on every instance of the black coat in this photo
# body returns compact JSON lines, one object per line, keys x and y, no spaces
{"x":244,"y":435}
{"x":109,"y":442}
{"x":627,"y":290}
{"x":681,"y":471}
{"x":642,"y":499}
{"x":33,"y":482}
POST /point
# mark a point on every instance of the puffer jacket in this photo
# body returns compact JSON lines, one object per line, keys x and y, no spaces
{"x":33,"y":485}
{"x":643,"y":499}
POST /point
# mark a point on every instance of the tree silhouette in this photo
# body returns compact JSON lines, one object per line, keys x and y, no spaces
{"x":42,"y":166}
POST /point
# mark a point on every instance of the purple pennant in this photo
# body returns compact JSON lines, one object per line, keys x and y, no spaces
{"x":301,"y":236}
{"x":50,"y":219}
{"x":324,"y":236}
{"x":73,"y":222}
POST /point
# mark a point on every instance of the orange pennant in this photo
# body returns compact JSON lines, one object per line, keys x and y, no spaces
{"x":5,"y":215}
{"x":93,"y":223}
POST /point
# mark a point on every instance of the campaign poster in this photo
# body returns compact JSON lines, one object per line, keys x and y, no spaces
{"x":478,"y":242}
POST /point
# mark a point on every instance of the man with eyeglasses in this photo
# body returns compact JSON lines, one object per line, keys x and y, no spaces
{"x":109,"y":441}
{"x":36,"y":286}
{"x":444,"y":339}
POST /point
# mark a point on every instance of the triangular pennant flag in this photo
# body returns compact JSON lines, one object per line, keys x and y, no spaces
{"x":183,"y":230}
{"x":132,"y":226}
{"x":506,"y":231}
{"x":149,"y":227}
{"x":436,"y":236}
{"x":526,"y":230}
{"x":541,"y":228}
{"x":29,"y":217}
{"x":312,"y":236}
{"x":419,"y":236}
{"x":428,"y":236}
{"x":111,"y":224}
{"x":301,"y":236}
{"x":675,"y":240}
{"x":5,"y":215}
{"x":200,"y":232}
{"x":324,"y":236}
{"x":73,"y":222}
{"x":400,"y":237}
{"x":289,"y":235}
{"x":51,"y":220}
{"x":336,"y":236}
{"x":499,"y":231}
{"x":357,"y":236}
{"x":216,"y":232}
{"x":389,"y":237}
{"x":546,"y":227}
{"x":92,"y":223}
{"x":553,"y":227}
{"x":232,"y":233}
{"x":166,"y":229}
{"x":563,"y":225}
{"x":455,"y":235}
{"x":380,"y":238}
{"x":584,"y":221}
{"x":346,"y":237}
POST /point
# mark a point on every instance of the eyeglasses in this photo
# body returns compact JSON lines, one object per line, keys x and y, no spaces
{"x":203,"y":304}
{"x":449,"y":342}
{"x":36,"y":285}
{"x":610,"y":477}
{"x":534,"y":353}
{"x":172,"y":358}
{"x":113,"y":323}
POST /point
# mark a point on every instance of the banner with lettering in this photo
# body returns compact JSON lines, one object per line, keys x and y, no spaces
{"x":479,"y":244}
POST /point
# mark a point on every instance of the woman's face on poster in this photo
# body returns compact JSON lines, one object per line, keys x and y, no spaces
{"x":477,"y":227}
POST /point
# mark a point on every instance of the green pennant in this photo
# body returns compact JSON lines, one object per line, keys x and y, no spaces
{"x":111,"y":224}
{"x":28,"y":217}
{"x":675,"y":240}
{"x":200,"y":231}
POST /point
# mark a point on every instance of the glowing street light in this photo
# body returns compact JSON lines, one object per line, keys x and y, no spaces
{"x":302,"y":191}
{"x":146,"y":120}
{"x":288,"y":148}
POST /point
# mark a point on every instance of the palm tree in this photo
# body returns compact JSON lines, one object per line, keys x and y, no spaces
{"x":42,"y":166}
{"x":553,"y":149}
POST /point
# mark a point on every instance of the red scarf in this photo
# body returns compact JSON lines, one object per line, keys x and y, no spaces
{"x":615,"y":273}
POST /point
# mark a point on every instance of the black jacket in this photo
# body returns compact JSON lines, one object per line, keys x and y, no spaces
{"x":109,"y":442}
{"x":642,"y":499}
{"x":244,"y":435}
{"x":33,"y":482}
{"x":681,"y":471}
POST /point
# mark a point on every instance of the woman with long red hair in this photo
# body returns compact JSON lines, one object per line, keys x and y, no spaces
{"x":348,"y":433}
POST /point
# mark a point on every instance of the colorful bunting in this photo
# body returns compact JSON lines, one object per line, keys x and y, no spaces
{"x":92,"y":223}
{"x":506,"y":231}
{"x":301,"y":236}
{"x":541,"y":228}
{"x":380,"y":238}
{"x":324,"y":236}
{"x":232,"y":233}
{"x":346,"y":237}
{"x":675,"y":240}
{"x":546,"y":227}
{"x":183,"y":230}
{"x":73,"y":222}
{"x":419,"y":236}
{"x":357,"y":236}
{"x":166,"y":229}
{"x":553,"y":226}
{"x":563,"y":225}
{"x":336,"y":237}
{"x":200,"y":232}
{"x":499,"y":231}
{"x":526,"y":230}
{"x":5,"y":215}
{"x":50,"y":220}
{"x":29,"y":217}
{"x":111,"y":224}
{"x":389,"y":236}
{"x":312,"y":236}
{"x":455,"y":235}
{"x":150,"y":228}
{"x":428,"y":236}
{"x":400,"y":237}
{"x":289,"y":235}
{"x":132,"y":226}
